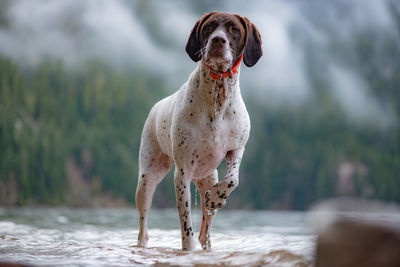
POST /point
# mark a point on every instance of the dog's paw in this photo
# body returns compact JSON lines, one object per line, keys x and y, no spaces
{"x":206,"y":243}
{"x":215,"y":199}
{"x":142,"y":239}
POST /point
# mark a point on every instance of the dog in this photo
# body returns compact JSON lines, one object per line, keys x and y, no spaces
{"x":198,"y":126}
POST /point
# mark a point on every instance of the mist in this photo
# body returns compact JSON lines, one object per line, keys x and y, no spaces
{"x":151,"y":36}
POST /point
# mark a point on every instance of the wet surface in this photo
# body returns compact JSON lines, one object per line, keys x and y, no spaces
{"x":104,"y":237}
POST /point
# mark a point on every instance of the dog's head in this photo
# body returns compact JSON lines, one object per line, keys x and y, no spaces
{"x":221,"y":38}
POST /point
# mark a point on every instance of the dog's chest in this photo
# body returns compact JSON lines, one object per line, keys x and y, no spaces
{"x":211,"y":144}
{"x":210,"y":132}
{"x":217,"y":115}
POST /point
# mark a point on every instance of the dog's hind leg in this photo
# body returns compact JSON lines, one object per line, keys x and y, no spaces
{"x":153,"y":166}
{"x":203,"y":185}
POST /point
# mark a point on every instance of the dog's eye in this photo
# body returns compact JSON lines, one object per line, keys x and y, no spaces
{"x":234,"y":29}
{"x":208,"y":28}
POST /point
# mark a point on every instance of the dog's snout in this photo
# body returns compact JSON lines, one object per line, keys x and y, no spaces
{"x":218,"y":40}
{"x":218,"y":49}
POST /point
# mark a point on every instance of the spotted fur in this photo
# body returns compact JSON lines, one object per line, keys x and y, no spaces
{"x":197,"y":127}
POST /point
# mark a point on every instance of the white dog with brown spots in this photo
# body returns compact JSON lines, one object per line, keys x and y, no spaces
{"x":202,"y":123}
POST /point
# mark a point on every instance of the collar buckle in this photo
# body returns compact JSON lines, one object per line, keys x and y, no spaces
{"x":230,"y":72}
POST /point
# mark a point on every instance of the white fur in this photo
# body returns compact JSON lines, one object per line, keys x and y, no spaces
{"x":197,"y":127}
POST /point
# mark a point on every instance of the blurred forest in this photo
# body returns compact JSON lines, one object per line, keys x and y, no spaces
{"x":70,"y":136}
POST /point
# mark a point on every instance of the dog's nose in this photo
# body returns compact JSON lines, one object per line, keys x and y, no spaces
{"x":217,"y":40}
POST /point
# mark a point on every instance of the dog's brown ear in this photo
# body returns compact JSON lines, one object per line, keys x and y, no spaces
{"x":252,"y":47}
{"x":193,"y":45}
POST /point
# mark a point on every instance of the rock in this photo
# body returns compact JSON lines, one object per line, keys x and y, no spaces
{"x":355,"y":242}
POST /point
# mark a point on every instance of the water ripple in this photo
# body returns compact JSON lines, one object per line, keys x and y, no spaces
{"x":65,"y":237}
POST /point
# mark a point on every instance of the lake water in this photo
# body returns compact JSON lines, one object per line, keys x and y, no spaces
{"x":107,"y":237}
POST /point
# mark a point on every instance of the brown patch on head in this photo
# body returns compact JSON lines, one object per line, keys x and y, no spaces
{"x":241,"y":33}
{"x":235,"y":31}
{"x":193,"y":45}
{"x":231,"y":25}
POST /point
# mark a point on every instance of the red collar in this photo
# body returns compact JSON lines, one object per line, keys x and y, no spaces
{"x":229,"y":73}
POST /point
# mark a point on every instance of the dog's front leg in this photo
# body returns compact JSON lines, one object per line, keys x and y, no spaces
{"x":215,"y":198}
{"x":183,"y":200}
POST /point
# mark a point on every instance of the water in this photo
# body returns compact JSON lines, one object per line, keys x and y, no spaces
{"x":104,"y":237}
